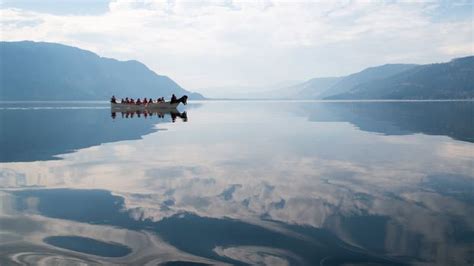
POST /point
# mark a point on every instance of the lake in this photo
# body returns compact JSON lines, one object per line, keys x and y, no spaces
{"x":238,"y":182}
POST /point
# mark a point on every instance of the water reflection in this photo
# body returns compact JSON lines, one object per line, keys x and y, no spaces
{"x":218,"y":240}
{"x":26,"y":235}
{"x":44,"y":132}
{"x":249,"y":183}
{"x":453,"y":119}
{"x":150,"y":113}
{"x":88,"y":246}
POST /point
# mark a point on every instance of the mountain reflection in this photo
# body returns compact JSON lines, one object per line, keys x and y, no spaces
{"x":253,"y":183}
{"x":453,"y":119}
{"x":43,"y":134}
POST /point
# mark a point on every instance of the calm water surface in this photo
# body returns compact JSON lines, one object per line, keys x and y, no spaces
{"x":276,"y":183}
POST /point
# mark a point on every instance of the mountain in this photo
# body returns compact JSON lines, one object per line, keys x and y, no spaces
{"x":319,"y":88}
{"x":274,"y":90}
{"x":367,"y":75}
{"x":50,"y":71}
{"x":282,"y":90}
{"x":311,"y":89}
{"x":451,"y":80}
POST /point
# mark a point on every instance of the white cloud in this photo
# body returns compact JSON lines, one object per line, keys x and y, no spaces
{"x":213,"y":43}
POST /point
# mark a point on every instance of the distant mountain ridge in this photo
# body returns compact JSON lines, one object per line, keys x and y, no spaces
{"x":367,"y":75}
{"x":451,"y":80}
{"x":312,"y":88}
{"x":249,"y":92}
{"x":50,"y":71}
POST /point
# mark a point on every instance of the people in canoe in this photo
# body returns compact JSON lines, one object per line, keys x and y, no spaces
{"x":144,"y":101}
{"x":147,"y":101}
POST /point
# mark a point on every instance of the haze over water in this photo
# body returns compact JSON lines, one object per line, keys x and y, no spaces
{"x":257,"y":182}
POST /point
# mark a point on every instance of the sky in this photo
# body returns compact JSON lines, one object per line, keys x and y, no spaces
{"x":210,"y":46}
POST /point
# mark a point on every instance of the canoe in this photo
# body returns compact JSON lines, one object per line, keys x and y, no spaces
{"x":148,"y":106}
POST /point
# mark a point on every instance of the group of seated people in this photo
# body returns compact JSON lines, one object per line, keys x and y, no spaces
{"x":138,"y":101}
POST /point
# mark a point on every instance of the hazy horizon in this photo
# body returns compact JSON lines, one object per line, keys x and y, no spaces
{"x":232,"y":45}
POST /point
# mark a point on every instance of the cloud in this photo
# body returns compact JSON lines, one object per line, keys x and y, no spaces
{"x":212,"y":43}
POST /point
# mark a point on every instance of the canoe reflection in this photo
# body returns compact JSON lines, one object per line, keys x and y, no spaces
{"x":149,"y":113}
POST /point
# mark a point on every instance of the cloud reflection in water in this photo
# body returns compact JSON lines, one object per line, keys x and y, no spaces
{"x":274,"y":169}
